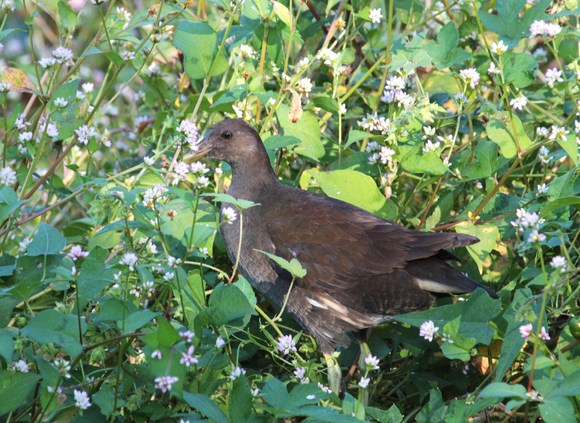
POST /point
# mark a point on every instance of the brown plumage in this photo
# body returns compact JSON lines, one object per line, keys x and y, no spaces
{"x":361,"y":269}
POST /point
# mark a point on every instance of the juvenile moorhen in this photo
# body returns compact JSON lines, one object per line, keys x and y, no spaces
{"x":361,"y":269}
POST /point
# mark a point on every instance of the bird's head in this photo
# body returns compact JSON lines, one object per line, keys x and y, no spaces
{"x":231,"y":140}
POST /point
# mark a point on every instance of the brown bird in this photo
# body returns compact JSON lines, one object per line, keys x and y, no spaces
{"x":361,"y":269}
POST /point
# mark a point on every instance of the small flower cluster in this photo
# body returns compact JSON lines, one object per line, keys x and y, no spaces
{"x":152,"y":195}
{"x":471,"y":76}
{"x":190,"y":132}
{"x":395,"y":92}
{"x":286,"y":344}
{"x":529,"y":222}
{"x":380,"y":153}
{"x":544,"y":29}
{"x":59,"y":55}
{"x":229,"y":215}
{"x":371,"y":363}
{"x":526,"y":332}
{"x":375,"y":123}
{"x":165,"y":383}
{"x":187,"y":357}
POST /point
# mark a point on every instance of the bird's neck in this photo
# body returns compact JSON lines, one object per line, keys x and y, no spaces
{"x":251,"y":179}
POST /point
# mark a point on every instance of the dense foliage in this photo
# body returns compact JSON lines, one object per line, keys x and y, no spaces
{"x":117,"y":300}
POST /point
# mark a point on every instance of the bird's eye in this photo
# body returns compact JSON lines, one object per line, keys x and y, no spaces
{"x":227,"y":135}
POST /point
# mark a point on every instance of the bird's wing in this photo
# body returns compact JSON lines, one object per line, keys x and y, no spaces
{"x":339,"y":244}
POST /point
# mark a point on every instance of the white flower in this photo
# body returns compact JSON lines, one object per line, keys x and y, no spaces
{"x":156,"y":354}
{"x":375,"y":123}
{"x":386,"y":155}
{"x":46,"y":62}
{"x":558,"y":132}
{"x":499,"y":48}
{"x":542,"y":189}
{"x":311,"y":397}
{"x":286,"y":344}
{"x":127,"y":55}
{"x":519,"y":103}
{"x":237,"y":372}
{"x":77,"y":252}
{"x":303,"y":63}
{"x":364,"y":382}
{"x":62,"y":55}
{"x":153,"y":70}
{"x":63,"y":367}
{"x":536,"y":236}
{"x":526,"y":331}
{"x":299,"y":373}
{"x":220,"y":342}
{"x":471,"y":76}
{"x":23,"y":244}
{"x":559,"y":263}
{"x":341,"y":109}
{"x":82,"y":399}
{"x":553,"y":75}
{"x":325,"y":388}
{"x":124,"y":14}
{"x":129,"y":259}
{"x":247,"y":51}
{"x":304,"y":86}
{"x":187,"y":358}
{"x":20,"y":366}
{"x":190,"y":131}
{"x":149,"y":160}
{"x":542,"y":131}
{"x":229,"y":215}
{"x":371,"y":362}
{"x":5,"y":87}
{"x":431,"y":146}
{"x":428,"y":330}
{"x":187,"y":335}
{"x":327,"y":56}
{"x":168,"y":276}
{"x":164,"y":383}
{"x":544,"y":29}
{"x":544,"y":155}
{"x":375,"y":15}
{"x":60,"y":102}
{"x":7,"y":176}
{"x":493,"y":69}
{"x":153,"y":194}
{"x":543,"y":335}
{"x":88,"y":87}
{"x":85,"y":133}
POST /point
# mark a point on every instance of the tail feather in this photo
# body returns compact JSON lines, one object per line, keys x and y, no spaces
{"x":436,"y":276}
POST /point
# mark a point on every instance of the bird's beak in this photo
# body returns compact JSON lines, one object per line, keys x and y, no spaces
{"x":204,"y":147}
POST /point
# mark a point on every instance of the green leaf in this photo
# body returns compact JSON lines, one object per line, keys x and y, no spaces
{"x":6,"y":344}
{"x":500,"y":131}
{"x":227,"y":304}
{"x":225,"y":198}
{"x":293,"y":266}
{"x":68,"y":18}
{"x":16,"y":390}
{"x":94,"y":276}
{"x":503,"y":390}
{"x":454,"y":352}
{"x":444,"y":52}
{"x":510,"y":21}
{"x":9,"y":202}
{"x":348,"y":185}
{"x":557,"y":409}
{"x":488,"y":235}
{"x":475,"y":315}
{"x":392,"y":415}
{"x":280,"y":141}
{"x":325,"y":103}
{"x":199,"y":44}
{"x":68,"y":118}
{"x":51,"y":326}
{"x":240,"y":400}
{"x":484,"y":163}
{"x":570,"y":147}
{"x":138,"y":319}
{"x":46,"y":241}
{"x":512,"y":340}
{"x":355,"y":135}
{"x":519,"y":69}
{"x":414,"y":160}
{"x":434,"y":411}
{"x":205,"y":406}
{"x":307,"y":130}
{"x":283,"y":13}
